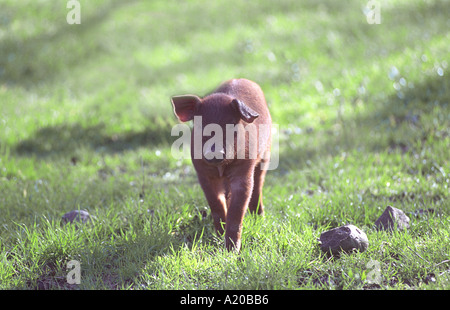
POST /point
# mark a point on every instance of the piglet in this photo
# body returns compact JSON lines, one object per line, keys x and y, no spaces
{"x":231,"y":164}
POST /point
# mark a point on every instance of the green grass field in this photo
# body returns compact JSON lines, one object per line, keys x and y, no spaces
{"x":85,"y":119}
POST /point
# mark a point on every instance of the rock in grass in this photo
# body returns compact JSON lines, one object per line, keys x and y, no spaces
{"x":80,"y":216}
{"x":347,"y":238}
{"x":392,"y":218}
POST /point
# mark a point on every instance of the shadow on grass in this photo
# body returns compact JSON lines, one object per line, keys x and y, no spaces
{"x":122,"y":263}
{"x":42,"y":58}
{"x":64,"y":140}
{"x":26,"y":62}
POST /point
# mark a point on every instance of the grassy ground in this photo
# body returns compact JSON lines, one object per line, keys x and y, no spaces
{"x":364,"y":118}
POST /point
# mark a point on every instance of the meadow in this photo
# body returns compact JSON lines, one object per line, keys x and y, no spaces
{"x":85,"y":120}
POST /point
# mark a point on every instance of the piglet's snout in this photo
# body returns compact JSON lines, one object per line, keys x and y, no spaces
{"x":214,"y":156}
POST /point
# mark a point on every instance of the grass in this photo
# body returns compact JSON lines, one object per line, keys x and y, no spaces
{"x":363,"y":112}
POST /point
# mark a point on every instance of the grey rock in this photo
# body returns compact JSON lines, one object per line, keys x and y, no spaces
{"x":80,"y":216}
{"x":346,"y":238}
{"x":392,"y":218}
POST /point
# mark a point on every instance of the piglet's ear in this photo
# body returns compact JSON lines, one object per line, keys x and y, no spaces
{"x":184,"y":106}
{"x":246,"y":113}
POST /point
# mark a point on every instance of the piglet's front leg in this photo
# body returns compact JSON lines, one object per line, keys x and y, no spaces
{"x":215,"y":195}
{"x":241,"y":187}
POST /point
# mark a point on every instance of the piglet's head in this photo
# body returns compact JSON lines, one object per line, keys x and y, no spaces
{"x":217,"y":111}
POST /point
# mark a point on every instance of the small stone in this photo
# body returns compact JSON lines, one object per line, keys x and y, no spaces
{"x":346,"y":238}
{"x":430,"y":278}
{"x":422,"y":212}
{"x":81,"y":216}
{"x":392,"y":218}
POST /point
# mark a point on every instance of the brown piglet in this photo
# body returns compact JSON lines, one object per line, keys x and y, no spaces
{"x":230,"y":150}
